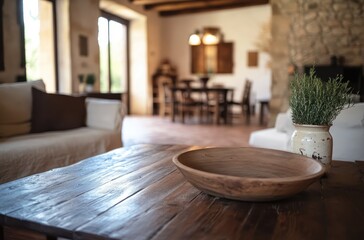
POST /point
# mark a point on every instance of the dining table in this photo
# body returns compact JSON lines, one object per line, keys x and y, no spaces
{"x":220,"y":93}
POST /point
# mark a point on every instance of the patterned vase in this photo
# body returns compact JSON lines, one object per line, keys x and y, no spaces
{"x":313,"y":141}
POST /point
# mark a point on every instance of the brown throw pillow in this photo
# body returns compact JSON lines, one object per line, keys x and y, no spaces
{"x":52,"y":112}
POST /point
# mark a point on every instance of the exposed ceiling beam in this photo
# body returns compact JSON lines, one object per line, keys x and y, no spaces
{"x":211,"y":8}
{"x":145,"y":2}
{"x":173,"y":7}
{"x":199,"y":4}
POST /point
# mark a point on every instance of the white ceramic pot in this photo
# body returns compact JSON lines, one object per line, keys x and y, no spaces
{"x":313,"y":141}
{"x":81,"y":88}
{"x":89,"y":88}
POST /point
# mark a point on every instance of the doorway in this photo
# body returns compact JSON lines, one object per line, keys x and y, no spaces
{"x":40,"y":45}
{"x":114,"y":55}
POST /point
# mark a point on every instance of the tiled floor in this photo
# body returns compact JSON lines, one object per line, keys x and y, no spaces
{"x":157,"y":130}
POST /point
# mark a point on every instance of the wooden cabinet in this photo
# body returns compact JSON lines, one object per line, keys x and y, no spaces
{"x":155,"y":91}
{"x":212,"y":58}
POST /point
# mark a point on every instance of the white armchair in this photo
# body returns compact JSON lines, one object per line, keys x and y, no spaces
{"x":347,"y":132}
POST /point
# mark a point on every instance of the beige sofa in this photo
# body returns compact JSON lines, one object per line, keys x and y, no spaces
{"x":23,"y":152}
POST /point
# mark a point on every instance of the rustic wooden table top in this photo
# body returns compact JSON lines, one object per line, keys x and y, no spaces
{"x":137,"y":193}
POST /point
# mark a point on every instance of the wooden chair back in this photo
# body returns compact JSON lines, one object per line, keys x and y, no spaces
{"x":246,"y":93}
{"x":165,"y":96}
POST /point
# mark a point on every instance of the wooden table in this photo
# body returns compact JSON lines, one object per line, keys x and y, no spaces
{"x":137,"y":193}
{"x":221,"y":93}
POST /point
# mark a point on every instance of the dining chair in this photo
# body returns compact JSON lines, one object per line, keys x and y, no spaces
{"x":188,"y":106}
{"x":165,"y":97}
{"x":214,"y":101}
{"x":212,"y":107}
{"x":244,"y":104}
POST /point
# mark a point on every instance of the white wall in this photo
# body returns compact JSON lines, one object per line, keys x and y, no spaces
{"x":241,"y":26}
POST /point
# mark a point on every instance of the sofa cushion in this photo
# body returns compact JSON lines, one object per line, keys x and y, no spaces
{"x":9,"y":130}
{"x":284,"y":123}
{"x":52,"y":112}
{"x":16,"y":107}
{"x":281,"y":121}
{"x":104,"y":113}
{"x":270,"y":138}
{"x":289,"y":124}
{"x":351,"y":117}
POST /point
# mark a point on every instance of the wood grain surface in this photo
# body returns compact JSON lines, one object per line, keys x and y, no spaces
{"x":138,"y":193}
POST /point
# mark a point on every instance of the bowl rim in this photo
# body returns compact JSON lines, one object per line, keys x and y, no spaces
{"x":275,"y":180}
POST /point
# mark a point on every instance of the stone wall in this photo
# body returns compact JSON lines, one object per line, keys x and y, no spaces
{"x":307,"y":32}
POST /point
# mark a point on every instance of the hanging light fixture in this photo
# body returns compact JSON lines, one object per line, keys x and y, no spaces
{"x":195,"y":39}
{"x":211,"y":36}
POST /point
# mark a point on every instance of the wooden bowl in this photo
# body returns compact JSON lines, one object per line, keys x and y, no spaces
{"x":249,"y":174}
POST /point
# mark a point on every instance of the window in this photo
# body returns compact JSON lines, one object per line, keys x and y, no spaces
{"x":40,"y":42}
{"x":113,"y":44}
{"x":216,"y":58}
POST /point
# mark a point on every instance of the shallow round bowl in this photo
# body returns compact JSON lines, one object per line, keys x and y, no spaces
{"x":249,"y":174}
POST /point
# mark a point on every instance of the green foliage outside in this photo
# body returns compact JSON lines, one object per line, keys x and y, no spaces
{"x":32,"y":52}
{"x":314,"y":102}
{"x":116,"y":76}
{"x":32,"y":59}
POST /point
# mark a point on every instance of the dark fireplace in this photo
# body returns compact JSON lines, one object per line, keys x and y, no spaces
{"x":353,"y":74}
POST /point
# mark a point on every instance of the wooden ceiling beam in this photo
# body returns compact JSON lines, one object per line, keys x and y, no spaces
{"x":173,"y":7}
{"x":183,"y":5}
{"x":146,"y":2}
{"x":198,"y":4}
{"x":211,"y":8}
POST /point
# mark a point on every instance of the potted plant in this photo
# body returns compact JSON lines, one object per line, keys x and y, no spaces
{"x":315,"y":104}
{"x":90,"y":81}
{"x":81,"y":83}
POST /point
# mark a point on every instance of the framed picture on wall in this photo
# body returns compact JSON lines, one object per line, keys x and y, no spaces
{"x":83,"y":45}
{"x":253,"y":59}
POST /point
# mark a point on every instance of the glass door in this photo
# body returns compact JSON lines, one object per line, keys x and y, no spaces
{"x":40,"y":42}
{"x":113,"y":44}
